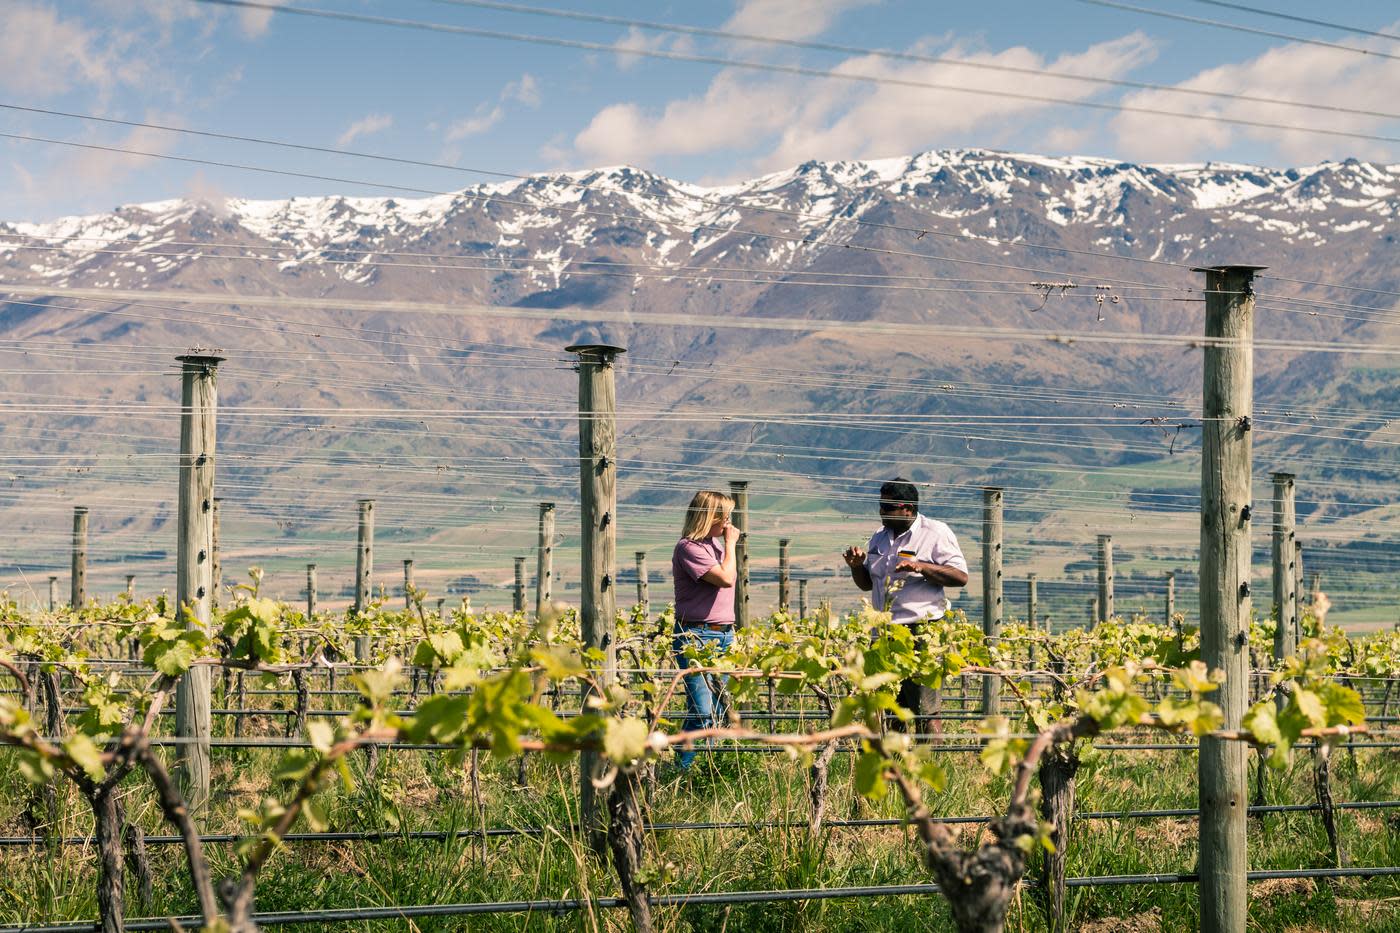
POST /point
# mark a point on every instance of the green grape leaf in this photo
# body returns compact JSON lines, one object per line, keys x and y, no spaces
{"x":870,"y":774}
{"x":625,"y":740}
{"x":85,"y":755}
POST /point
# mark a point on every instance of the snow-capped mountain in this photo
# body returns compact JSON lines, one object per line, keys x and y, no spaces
{"x":949,"y":244}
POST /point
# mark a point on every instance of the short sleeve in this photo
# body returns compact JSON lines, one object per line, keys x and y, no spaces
{"x":694,"y":559}
{"x":946,"y":551}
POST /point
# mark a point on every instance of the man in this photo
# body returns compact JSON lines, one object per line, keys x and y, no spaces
{"x":921,"y":553}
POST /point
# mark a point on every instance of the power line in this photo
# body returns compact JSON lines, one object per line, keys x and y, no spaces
{"x":1300,"y":19}
{"x":677,"y":319}
{"x":786,"y":69}
{"x":686,"y":29}
{"x":1199,"y":21}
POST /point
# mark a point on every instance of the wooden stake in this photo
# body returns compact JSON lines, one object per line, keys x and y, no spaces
{"x":518,"y":595}
{"x":310,"y":591}
{"x":544,"y":559}
{"x":194,"y":564}
{"x":77,"y":596}
{"x":1170,"y":617}
{"x":739,"y":492}
{"x":643,"y":588}
{"x":802,"y":599}
{"x":784,"y":575}
{"x":1226,"y":412}
{"x":408,"y":583}
{"x":215,"y":560}
{"x":53,"y":594}
{"x":364,"y":571}
{"x":1031,"y":594}
{"x":1284,"y":553}
{"x":1105,"y":578}
{"x":597,"y":447}
{"x":992,"y":608}
{"x":131,"y":586}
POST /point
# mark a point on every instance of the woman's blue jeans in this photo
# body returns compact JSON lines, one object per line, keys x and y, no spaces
{"x":703,"y":707}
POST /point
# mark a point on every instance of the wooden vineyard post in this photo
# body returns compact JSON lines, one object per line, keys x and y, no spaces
{"x":1169,"y":610}
{"x":310,"y":592}
{"x":518,"y":593}
{"x":1105,"y":579}
{"x":1284,"y":553}
{"x":194,"y":563}
{"x":739,"y":492}
{"x":784,"y":576}
{"x":597,"y":447}
{"x":53,"y":594}
{"x":992,"y":607}
{"x":802,"y":599}
{"x":77,"y":595}
{"x":131,"y":586}
{"x":408,"y":583}
{"x":544,"y":559}
{"x":364,"y":572}
{"x":1093,"y":611}
{"x":215,"y":560}
{"x":643,"y":588}
{"x":1031,"y":600}
{"x":1226,"y":412}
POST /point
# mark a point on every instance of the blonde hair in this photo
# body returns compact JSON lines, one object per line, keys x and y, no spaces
{"x":704,"y":509}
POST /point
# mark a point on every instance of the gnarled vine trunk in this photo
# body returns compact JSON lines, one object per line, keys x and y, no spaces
{"x":817,"y":790}
{"x":1322,"y":781}
{"x":625,"y":839}
{"x":1057,"y":785}
{"x":111,"y":882}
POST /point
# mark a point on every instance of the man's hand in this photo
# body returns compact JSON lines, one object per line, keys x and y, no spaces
{"x":911,"y":566}
{"x":854,"y":557}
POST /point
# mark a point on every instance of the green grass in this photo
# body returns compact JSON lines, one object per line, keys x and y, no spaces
{"x":421,"y":790}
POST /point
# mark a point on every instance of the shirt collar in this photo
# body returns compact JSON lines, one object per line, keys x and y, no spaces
{"x":917,"y":525}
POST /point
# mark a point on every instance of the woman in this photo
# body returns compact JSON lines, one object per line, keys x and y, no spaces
{"x":703,"y":568}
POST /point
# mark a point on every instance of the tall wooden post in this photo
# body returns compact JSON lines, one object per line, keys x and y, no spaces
{"x":518,"y":594}
{"x":408,"y":583}
{"x":194,"y":563}
{"x":1105,"y":578}
{"x":310,"y":592}
{"x":77,"y":595}
{"x":739,"y":492}
{"x":131,"y":586}
{"x":1093,"y":612}
{"x":1284,"y":553}
{"x":364,"y":571}
{"x":1032,"y":592}
{"x":216,"y":562}
{"x":597,"y":447}
{"x":992,"y":608}
{"x":643,"y":584}
{"x":544,"y":559}
{"x":1170,"y":614}
{"x":1226,"y":413}
{"x":53,"y":594}
{"x":784,"y":575}
{"x":802,"y":599}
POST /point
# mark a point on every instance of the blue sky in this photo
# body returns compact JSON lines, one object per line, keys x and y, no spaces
{"x":518,"y":107}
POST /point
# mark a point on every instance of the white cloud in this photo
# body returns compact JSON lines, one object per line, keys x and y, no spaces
{"x":1290,"y":72}
{"x":788,"y":19}
{"x":46,"y":55}
{"x":525,"y":90}
{"x":367,"y":125}
{"x":782,"y":121}
{"x":484,"y":119}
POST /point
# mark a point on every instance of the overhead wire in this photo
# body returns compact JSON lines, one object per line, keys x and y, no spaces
{"x":797,"y":70}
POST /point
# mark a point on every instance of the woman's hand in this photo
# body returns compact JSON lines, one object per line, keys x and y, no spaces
{"x":731,"y":534}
